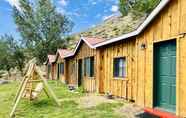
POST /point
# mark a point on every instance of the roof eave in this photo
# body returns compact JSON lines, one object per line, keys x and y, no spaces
{"x":153,"y":14}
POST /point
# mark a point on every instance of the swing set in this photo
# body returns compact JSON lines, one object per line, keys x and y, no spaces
{"x":33,"y":83}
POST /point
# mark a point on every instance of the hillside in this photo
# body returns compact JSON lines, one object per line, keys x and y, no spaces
{"x":112,"y":27}
{"x":115,"y":26}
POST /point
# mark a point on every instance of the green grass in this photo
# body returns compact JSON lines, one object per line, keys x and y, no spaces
{"x":44,"y":107}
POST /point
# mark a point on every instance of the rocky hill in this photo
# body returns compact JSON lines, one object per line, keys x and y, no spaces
{"x":115,"y":26}
{"x":112,"y":27}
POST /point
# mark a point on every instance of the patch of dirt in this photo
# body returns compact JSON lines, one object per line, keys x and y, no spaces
{"x":130,"y":110}
{"x":91,"y":100}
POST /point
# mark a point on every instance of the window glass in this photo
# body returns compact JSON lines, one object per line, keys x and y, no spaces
{"x":119,"y":67}
{"x":89,"y":66}
{"x":61,"y":68}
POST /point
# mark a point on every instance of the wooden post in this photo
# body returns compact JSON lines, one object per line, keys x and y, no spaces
{"x":18,"y":98}
{"x":47,"y":87}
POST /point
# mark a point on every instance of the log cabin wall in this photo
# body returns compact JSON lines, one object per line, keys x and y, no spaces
{"x":117,"y":86}
{"x":170,"y":24}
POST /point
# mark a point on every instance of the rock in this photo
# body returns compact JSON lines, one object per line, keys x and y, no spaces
{"x":71,"y":87}
{"x":4,"y":81}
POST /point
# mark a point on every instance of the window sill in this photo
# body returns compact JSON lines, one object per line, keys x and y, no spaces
{"x":91,"y":77}
{"x":120,"y":78}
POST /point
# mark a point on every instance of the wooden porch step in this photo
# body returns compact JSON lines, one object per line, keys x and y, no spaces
{"x":161,"y":114}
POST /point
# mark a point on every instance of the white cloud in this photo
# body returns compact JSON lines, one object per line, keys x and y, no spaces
{"x":63,"y":2}
{"x":114,"y":15}
{"x":114,"y":8}
{"x":74,"y":14}
{"x":93,"y":26}
{"x":107,"y":17}
{"x":14,"y":3}
{"x":94,"y":3}
{"x":61,"y":10}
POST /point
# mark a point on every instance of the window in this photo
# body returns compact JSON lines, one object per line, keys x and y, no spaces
{"x":89,"y":66}
{"x":61,"y":68}
{"x":119,"y":67}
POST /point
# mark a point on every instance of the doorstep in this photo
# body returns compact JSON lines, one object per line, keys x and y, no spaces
{"x":161,"y":114}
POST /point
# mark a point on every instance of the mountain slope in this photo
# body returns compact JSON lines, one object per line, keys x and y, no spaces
{"x":115,"y":26}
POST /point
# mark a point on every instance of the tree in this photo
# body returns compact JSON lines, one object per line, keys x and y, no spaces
{"x":42,"y":28}
{"x":17,"y":51}
{"x":6,"y":61}
{"x":141,"y":6}
{"x":11,"y":54}
{"x":123,"y":7}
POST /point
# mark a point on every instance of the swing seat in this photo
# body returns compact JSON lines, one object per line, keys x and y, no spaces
{"x":37,"y":90}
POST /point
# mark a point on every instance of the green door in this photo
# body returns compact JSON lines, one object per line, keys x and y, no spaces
{"x":165,"y":76}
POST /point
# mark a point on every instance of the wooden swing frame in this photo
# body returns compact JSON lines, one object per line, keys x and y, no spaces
{"x":33,"y":77}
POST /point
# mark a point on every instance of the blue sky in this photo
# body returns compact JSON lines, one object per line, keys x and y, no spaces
{"x":84,"y":13}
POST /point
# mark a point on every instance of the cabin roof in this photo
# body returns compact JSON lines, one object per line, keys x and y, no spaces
{"x":51,"y":59}
{"x":140,"y":28}
{"x":93,"y":40}
{"x":63,"y":52}
{"x":90,"y":41}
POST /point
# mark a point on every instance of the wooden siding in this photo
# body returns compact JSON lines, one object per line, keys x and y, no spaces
{"x":71,"y":71}
{"x":138,"y":84}
{"x":85,"y":51}
{"x":168,"y":25}
{"x":51,"y":74}
{"x":121,"y":87}
{"x":53,"y":71}
{"x":89,"y":83}
{"x":63,"y":77}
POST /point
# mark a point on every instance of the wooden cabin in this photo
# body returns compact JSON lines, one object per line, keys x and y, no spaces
{"x":161,"y":74}
{"x":82,"y":64}
{"x":146,"y":66}
{"x":61,"y":65}
{"x":51,"y":67}
{"x":150,"y":61}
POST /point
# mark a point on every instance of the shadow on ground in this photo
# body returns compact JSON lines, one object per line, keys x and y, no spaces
{"x":146,"y":115}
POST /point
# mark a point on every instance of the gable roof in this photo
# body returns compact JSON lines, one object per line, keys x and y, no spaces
{"x":136,"y":32}
{"x":90,"y":41}
{"x":51,"y":59}
{"x":62,"y":53}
